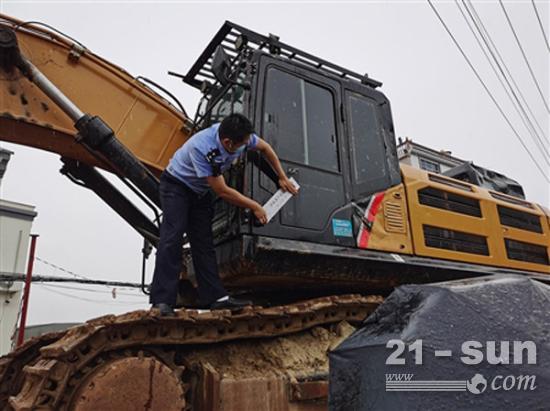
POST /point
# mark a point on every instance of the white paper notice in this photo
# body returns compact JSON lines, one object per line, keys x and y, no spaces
{"x":278,"y":200}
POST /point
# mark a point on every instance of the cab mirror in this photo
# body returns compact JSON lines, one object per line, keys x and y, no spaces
{"x":221,"y":66}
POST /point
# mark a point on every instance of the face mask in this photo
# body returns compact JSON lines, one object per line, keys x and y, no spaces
{"x":240,"y":150}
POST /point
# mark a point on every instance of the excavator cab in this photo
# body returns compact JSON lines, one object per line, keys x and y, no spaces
{"x":332,"y":130}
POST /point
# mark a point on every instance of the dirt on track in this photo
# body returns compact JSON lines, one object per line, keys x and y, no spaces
{"x":294,"y":356}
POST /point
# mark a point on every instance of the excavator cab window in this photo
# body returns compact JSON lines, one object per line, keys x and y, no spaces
{"x":366,"y":140}
{"x":373,"y":164}
{"x":222,"y":100}
{"x":231,"y":102}
{"x":301,"y":114}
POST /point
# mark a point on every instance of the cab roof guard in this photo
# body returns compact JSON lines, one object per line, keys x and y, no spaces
{"x":230,"y":35}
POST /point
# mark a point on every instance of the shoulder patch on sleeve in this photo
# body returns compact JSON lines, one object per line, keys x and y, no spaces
{"x":211,"y":159}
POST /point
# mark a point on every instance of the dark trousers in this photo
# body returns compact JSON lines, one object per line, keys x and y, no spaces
{"x":184,"y":211}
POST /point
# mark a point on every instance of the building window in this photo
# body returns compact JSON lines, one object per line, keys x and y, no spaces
{"x":429,"y":165}
{"x":299,"y":120}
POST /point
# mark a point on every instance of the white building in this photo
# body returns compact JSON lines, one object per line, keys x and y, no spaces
{"x":15,"y":227}
{"x":426,"y":158}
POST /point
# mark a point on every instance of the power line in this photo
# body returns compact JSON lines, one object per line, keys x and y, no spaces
{"x":62,"y":269}
{"x":487,"y":90}
{"x":89,"y":290}
{"x":495,"y":48}
{"x":524,"y":55}
{"x":72,"y":273}
{"x":540,"y":25}
{"x":19,"y":277}
{"x":108,"y":302}
{"x":517,"y":104}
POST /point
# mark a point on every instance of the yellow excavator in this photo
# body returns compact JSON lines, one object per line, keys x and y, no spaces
{"x":361,"y":225}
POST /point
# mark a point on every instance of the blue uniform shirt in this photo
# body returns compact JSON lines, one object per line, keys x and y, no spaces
{"x":203,"y":155}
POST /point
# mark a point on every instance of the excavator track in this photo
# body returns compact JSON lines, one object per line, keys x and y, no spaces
{"x":139,"y":357}
{"x":11,"y":365}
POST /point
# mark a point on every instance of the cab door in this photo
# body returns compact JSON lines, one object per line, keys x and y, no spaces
{"x":373,"y":163}
{"x":297,"y":113}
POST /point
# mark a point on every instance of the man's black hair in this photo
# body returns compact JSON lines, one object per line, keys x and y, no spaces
{"x":235,"y":127}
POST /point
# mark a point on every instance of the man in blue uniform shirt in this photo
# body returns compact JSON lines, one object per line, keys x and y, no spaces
{"x":186,"y":201}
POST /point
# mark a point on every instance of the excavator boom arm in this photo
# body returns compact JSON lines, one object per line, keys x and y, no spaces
{"x":146,"y":124}
{"x":60,"y":97}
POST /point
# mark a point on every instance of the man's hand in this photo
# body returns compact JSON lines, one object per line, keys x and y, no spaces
{"x":231,"y":195}
{"x":284,"y":182}
{"x":286,"y":185}
{"x":260,"y":214}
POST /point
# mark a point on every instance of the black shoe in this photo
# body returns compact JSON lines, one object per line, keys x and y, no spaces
{"x":233,"y":304}
{"x":165,"y":310}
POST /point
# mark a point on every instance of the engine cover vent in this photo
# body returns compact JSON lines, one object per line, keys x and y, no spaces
{"x":394,"y":217}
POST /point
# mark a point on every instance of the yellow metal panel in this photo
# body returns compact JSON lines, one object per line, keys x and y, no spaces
{"x":144,"y":122}
{"x":487,"y":226}
{"x":501,"y":232}
{"x":390,"y":229}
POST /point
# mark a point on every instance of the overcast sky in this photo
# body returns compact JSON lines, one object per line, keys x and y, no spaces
{"x":436,"y":101}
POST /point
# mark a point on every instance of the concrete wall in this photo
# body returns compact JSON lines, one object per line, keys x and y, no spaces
{"x":15,"y":227}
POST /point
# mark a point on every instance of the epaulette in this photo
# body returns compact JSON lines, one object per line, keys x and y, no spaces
{"x":210,"y":158}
